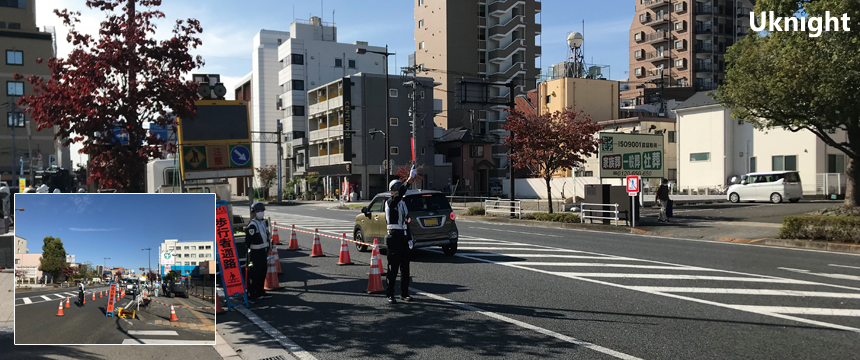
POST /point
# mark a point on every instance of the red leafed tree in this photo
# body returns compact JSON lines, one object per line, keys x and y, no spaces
{"x":550,"y":142}
{"x":402,"y":173}
{"x":69,"y":271}
{"x":117,"y":81}
{"x":118,"y":275}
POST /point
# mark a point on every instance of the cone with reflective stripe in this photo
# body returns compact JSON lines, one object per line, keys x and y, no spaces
{"x":275,"y":238}
{"x":344,"y":252}
{"x":94,"y":296}
{"x":60,"y":311}
{"x":272,"y":281}
{"x":378,"y":256}
{"x":317,"y":250}
{"x":294,"y":243}
{"x":100,"y":294}
{"x":218,"y":309}
{"x":85,"y":299}
{"x":67,"y":302}
{"x":375,"y":283}
{"x":173,"y":313}
{"x":274,"y":254}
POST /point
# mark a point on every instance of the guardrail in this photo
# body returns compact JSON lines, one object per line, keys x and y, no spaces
{"x":582,"y":210}
{"x":503,"y":207}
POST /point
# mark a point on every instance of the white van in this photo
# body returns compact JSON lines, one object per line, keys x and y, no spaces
{"x":774,"y":186}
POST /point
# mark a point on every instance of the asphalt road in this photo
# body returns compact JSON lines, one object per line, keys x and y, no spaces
{"x":36,"y":321}
{"x":527,"y":292}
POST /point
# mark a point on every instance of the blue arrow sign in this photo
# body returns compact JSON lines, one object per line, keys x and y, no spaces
{"x":240,"y":155}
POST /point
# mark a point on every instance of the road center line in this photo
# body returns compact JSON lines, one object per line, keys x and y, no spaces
{"x":727,"y":291}
{"x":845,"y":266}
{"x":27,"y":301}
{"x":285,"y":342}
{"x":521,"y":324}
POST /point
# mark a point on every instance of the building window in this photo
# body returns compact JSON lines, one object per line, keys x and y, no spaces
{"x":421,"y":23}
{"x":298,"y":110}
{"x":392,"y":93}
{"x":679,"y":44}
{"x":17,"y":261}
{"x":836,"y":163}
{"x":351,"y":64}
{"x":392,"y":122}
{"x":588,"y":173}
{"x":681,"y":63}
{"x":679,"y":6}
{"x":671,"y":136}
{"x":297,"y":59}
{"x":15,"y":26}
{"x":637,"y":36}
{"x":21,"y":4}
{"x":482,"y":35}
{"x":700,"y":157}
{"x":784,"y":163}
{"x":202,"y":255}
{"x":682,"y":82}
{"x":672,"y":174}
{"x":193,"y":255}
{"x":14,"y":57}
{"x":482,"y":12}
{"x":298,"y":84}
{"x":482,"y":57}
{"x":548,"y":99}
{"x":193,"y":263}
{"x":679,"y":26}
{"x":171,"y":248}
{"x":394,"y":150}
{"x":186,"y":248}
{"x":2,"y":24}
{"x":15,"y":119}
{"x":753,"y":164}
{"x":421,"y":45}
{"x":420,"y":2}
{"x":476,"y":151}
{"x":638,"y":72}
{"x":338,"y":62}
{"x":422,"y":150}
{"x":193,"y":248}
{"x":279,"y":41}
{"x":14,"y":88}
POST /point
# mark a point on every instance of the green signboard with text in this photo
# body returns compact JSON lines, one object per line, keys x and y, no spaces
{"x":623,"y":154}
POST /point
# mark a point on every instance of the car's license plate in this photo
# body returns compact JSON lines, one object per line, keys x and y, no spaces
{"x":431,"y":222}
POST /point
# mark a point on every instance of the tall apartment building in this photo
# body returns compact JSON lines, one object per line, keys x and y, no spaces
{"x":187,"y":256}
{"x":682,"y":43}
{"x":24,"y":42}
{"x":490,"y":39}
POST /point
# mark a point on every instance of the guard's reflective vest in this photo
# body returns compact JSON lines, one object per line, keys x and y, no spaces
{"x":259,"y":229}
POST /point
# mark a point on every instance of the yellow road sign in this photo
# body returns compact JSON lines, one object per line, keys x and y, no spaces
{"x":194,"y":157}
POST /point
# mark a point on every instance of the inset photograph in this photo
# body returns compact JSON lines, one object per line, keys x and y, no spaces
{"x":114,"y":269}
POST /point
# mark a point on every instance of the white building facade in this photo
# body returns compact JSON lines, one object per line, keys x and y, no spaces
{"x":265,"y":89}
{"x":714,"y":146}
{"x":186,"y":255}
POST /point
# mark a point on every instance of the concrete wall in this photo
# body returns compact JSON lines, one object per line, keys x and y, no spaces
{"x":701,"y":130}
{"x":29,"y":261}
{"x":534,"y":188}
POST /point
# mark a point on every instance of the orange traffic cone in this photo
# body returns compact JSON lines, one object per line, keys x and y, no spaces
{"x":275,"y":238}
{"x":60,"y":312}
{"x":100,"y":294}
{"x":344,"y":252}
{"x":218,"y":309}
{"x":317,"y":249}
{"x":375,"y":283}
{"x":272,"y":281}
{"x":173,"y":314}
{"x":94,"y":296}
{"x":294,"y":243}
{"x":67,"y":301}
{"x":85,"y":299}
{"x":274,"y":254}
{"x":378,"y":256}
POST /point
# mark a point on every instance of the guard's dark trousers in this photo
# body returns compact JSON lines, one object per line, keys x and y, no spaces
{"x":258,"y":272}
{"x":398,"y":258}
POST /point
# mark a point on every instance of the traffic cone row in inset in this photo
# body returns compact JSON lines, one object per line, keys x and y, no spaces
{"x":272,"y":281}
{"x":173,"y":314}
{"x":60,"y":311}
{"x":344,"y":259}
{"x":294,"y":242}
{"x":274,"y":254}
{"x":375,"y":283}
{"x":317,"y":249}
{"x":275,"y":238}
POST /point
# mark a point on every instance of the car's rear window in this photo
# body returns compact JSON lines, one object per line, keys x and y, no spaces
{"x":427,"y":202}
{"x":792,"y":177}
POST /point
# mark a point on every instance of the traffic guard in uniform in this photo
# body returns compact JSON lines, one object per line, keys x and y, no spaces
{"x":257,"y":240}
{"x":397,"y":239}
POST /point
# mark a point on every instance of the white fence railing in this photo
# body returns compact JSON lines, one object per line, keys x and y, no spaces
{"x":503,"y":207}
{"x":598,"y":208}
{"x":829,"y":183}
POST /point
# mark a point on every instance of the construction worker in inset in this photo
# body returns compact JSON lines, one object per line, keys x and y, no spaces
{"x":397,"y":239}
{"x":257,"y":240}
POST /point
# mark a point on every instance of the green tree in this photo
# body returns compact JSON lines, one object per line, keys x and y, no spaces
{"x":53,"y":259}
{"x":790,"y":80}
{"x":267,"y":175}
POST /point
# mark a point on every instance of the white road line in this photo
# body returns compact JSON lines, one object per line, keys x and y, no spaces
{"x":697,"y":290}
{"x":481,"y":242}
{"x":152,"y":332}
{"x":799,"y":310}
{"x":663,"y":267}
{"x":168,"y":342}
{"x":675,"y":277}
{"x":832,"y":276}
{"x":61,"y":296}
{"x":845,"y":266}
{"x":46,"y":298}
{"x":525,"y":325}
{"x":285,"y":342}
{"x":508,"y":249}
{"x":552,"y":256}
{"x":518,"y":232}
{"x":27,"y":301}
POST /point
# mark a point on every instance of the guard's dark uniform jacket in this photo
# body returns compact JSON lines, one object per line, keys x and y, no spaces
{"x":397,"y":241}
{"x":257,"y":240}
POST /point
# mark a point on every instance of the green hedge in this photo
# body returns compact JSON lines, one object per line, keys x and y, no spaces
{"x":843,"y":229}
{"x":475,"y":210}
{"x":555,"y":217}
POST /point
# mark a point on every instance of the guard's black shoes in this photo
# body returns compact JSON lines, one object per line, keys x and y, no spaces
{"x":392,"y":300}
{"x":406,"y":298}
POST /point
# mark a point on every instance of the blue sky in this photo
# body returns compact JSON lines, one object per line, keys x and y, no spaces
{"x":95,"y":226}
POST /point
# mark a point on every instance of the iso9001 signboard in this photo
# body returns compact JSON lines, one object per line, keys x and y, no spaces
{"x":623,"y":154}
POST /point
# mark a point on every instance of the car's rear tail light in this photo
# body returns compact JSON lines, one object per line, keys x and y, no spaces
{"x":452,"y":216}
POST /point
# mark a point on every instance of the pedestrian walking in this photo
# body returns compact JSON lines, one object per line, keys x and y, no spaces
{"x":662,"y":199}
{"x":257,"y":238}
{"x":398,"y":238}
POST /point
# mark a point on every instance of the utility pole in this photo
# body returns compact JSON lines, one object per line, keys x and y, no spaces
{"x":280,"y":161}
{"x":511,"y":104}
{"x":412,"y":81}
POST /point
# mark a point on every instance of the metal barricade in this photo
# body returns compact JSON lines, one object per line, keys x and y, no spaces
{"x":503,"y":207}
{"x":599,"y":209}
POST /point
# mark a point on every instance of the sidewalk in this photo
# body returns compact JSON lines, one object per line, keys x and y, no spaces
{"x":7,"y":302}
{"x":193,"y":313}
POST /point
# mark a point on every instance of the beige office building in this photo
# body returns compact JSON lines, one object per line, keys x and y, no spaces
{"x":22,"y":43}
{"x":682,"y":43}
{"x":489,"y":39}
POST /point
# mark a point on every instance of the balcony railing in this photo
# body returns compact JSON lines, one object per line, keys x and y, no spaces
{"x":656,"y":37}
{"x":704,"y":28}
{"x":703,"y":66}
{"x":657,"y":55}
{"x":704,"y":48}
{"x":704,"y":9}
{"x":743,"y":11}
{"x":650,"y":4}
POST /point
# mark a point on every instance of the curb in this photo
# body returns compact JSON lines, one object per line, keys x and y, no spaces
{"x":224,"y":349}
{"x":813,"y":245}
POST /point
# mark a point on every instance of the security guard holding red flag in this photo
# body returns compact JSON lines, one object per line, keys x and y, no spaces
{"x":257,"y":239}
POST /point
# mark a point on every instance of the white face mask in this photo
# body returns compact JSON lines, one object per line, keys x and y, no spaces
{"x":260,"y":216}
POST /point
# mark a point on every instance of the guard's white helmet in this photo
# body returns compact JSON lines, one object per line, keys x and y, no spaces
{"x":82,"y":190}
{"x":57,"y":191}
{"x":394,"y":185}
{"x":43,"y":189}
